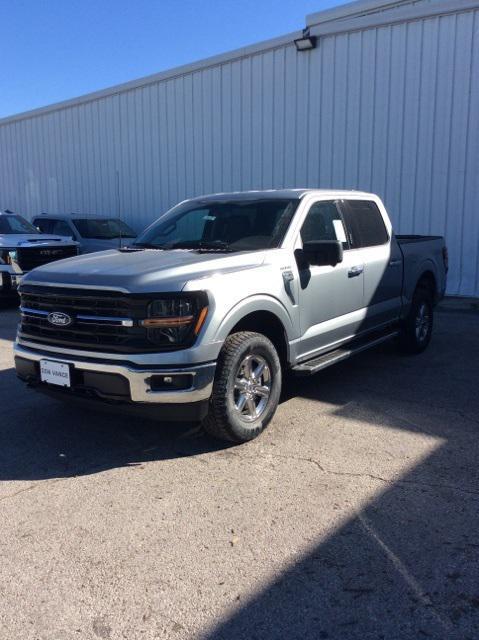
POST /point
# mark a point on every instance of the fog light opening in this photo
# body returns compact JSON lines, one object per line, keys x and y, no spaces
{"x":168,"y":382}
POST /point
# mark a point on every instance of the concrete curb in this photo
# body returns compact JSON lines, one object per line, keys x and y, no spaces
{"x":452,"y":304}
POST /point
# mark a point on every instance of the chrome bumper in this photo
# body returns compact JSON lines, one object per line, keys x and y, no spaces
{"x":138,"y":378}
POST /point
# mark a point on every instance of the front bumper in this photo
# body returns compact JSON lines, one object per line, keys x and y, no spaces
{"x":122,"y":383}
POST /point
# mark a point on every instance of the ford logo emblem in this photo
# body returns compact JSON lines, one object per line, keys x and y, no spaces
{"x":59,"y":319}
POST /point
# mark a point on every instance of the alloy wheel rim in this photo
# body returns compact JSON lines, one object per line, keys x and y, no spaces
{"x":252,"y":387}
{"x":423,"y":320}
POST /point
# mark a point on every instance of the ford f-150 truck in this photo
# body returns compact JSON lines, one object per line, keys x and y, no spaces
{"x":201,"y":316}
{"x":23,"y":247}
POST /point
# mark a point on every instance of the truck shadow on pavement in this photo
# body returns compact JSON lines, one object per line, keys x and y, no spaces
{"x":403,"y":567}
{"x":42,"y":438}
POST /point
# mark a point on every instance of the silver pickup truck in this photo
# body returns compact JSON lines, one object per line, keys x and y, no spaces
{"x":200,"y":318}
{"x":23,"y":247}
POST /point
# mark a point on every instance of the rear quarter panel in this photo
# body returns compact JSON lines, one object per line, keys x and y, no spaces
{"x":419,"y":258}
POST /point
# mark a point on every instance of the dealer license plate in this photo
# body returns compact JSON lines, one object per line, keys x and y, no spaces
{"x":55,"y":373}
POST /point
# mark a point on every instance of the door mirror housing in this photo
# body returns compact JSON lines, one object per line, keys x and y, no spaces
{"x":322,"y":253}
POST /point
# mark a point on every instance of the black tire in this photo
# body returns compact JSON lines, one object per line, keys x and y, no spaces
{"x":241,"y":353}
{"x":416,"y":334}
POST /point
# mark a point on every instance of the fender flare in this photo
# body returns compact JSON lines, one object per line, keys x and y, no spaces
{"x":426,"y":266}
{"x":250,"y":305}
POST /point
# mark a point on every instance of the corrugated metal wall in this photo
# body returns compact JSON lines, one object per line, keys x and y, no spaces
{"x":392,"y":109}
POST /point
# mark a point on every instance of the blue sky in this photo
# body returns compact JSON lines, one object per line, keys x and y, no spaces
{"x":52,"y":50}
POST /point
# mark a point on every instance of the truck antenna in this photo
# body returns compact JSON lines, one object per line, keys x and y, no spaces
{"x":118,"y":203}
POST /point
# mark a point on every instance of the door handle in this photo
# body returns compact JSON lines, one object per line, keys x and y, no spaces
{"x":355,"y":271}
{"x":395,"y":263}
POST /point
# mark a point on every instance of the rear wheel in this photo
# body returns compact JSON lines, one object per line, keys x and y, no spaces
{"x":416,"y":332}
{"x":246,"y":388}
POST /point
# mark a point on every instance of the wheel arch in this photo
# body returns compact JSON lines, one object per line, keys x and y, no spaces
{"x":427,"y":280}
{"x":261,"y":315}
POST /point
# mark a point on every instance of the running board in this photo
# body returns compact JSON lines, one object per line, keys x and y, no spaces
{"x":343,"y":353}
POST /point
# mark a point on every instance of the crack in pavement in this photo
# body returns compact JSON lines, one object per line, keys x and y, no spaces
{"x":421,"y":594}
{"x":371,"y":476}
{"x":31,"y":487}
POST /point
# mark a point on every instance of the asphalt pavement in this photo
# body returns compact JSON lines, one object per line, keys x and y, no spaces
{"x":354,"y":516}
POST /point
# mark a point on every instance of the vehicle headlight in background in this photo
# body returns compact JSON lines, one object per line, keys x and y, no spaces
{"x":175,"y":321}
{"x":7,"y":256}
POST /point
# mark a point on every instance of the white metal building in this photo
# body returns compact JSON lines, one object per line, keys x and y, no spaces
{"x":388,"y":101}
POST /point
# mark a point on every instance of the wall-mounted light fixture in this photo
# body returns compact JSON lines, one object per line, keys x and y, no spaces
{"x":306,"y":42}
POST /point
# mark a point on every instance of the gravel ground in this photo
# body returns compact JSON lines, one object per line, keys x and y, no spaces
{"x":354,"y":516}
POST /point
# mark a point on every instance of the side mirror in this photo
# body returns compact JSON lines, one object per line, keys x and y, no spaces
{"x":323,"y":252}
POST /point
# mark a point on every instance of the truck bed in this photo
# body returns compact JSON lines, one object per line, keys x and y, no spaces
{"x":408,"y":239}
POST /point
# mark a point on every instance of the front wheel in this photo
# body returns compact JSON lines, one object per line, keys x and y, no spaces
{"x":416,"y":332}
{"x":246,"y":388}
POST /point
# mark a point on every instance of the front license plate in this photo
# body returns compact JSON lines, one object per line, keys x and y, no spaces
{"x":55,"y":373}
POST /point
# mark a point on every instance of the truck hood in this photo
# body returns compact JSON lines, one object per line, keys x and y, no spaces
{"x":147,"y":270}
{"x":13,"y":240}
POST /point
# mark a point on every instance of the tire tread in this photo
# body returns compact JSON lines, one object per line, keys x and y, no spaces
{"x":216,"y":423}
{"x":407,"y":339}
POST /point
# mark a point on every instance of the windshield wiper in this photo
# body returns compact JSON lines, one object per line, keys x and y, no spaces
{"x":202,"y":246}
{"x":146,"y":245}
{"x":102,"y":237}
{"x":192,"y":245}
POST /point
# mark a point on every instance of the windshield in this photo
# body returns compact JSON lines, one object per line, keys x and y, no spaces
{"x":103,"y":228}
{"x":221,"y":225}
{"x":10,"y":224}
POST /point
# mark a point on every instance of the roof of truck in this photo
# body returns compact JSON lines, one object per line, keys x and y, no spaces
{"x":260,"y":194}
{"x":292,"y":194}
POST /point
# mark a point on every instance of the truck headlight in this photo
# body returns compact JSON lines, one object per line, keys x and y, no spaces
{"x":177,"y":320}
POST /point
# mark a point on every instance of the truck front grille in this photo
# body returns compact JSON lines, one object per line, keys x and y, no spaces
{"x":30,"y":257}
{"x":98,"y":321}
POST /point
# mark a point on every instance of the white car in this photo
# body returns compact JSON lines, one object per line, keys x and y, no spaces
{"x":23,"y":247}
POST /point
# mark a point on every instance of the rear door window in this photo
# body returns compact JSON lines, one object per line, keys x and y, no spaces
{"x":44,"y":224}
{"x":365,"y":223}
{"x":62,"y":228}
